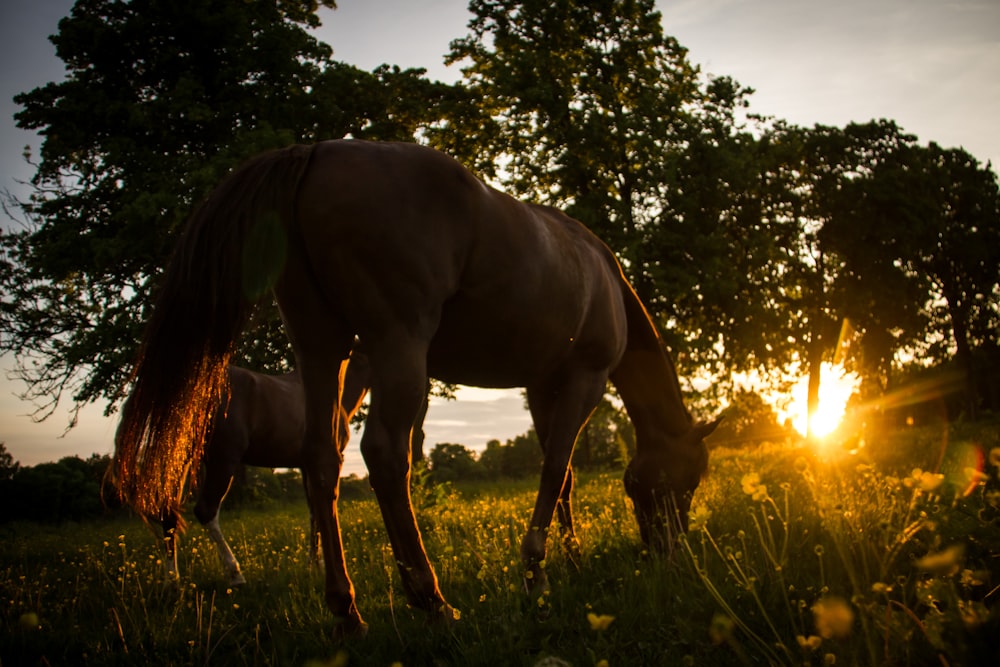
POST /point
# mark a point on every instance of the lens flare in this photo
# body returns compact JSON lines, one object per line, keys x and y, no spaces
{"x":835,"y":388}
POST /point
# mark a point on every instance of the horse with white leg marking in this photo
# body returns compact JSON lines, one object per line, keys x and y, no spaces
{"x":438,"y":275}
{"x":261,"y":424}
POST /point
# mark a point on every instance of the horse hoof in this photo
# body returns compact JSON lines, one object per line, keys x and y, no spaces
{"x":445,"y":616}
{"x":351,"y":627}
{"x":237,"y":580}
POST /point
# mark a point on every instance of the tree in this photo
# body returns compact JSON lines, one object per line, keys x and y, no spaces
{"x":161,"y":98}
{"x":749,"y":420}
{"x":450,"y":462}
{"x":8,"y":466}
{"x":589,"y":95}
{"x":607,"y":440}
{"x":603,"y":115}
{"x":953,"y":240}
{"x":518,"y":457}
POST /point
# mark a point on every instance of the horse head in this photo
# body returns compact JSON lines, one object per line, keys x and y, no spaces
{"x":661,"y":482}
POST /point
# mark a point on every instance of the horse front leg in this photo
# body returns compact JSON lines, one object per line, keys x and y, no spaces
{"x":396,"y":397}
{"x":561,"y":411}
{"x":564,"y":513}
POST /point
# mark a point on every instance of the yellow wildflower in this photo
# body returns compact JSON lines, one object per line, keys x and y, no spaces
{"x":721,"y":628}
{"x":698,"y":517}
{"x":930,"y":481}
{"x":810,"y":643}
{"x":599,"y":622}
{"x":945,"y":563}
{"x":833,"y":617}
{"x":750,"y":482}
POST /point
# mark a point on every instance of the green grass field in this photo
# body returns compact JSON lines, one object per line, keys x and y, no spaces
{"x":793,"y":558}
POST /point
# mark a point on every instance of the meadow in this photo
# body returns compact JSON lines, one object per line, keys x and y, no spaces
{"x":885,"y":554}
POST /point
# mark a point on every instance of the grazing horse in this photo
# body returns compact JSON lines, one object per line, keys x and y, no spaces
{"x":261,"y":424}
{"x":438,"y":275}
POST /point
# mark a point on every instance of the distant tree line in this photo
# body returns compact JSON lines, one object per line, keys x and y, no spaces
{"x":67,"y":490}
{"x":752,"y":241}
{"x":72,"y":489}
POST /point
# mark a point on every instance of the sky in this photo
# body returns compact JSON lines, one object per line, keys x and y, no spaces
{"x":933,"y":66}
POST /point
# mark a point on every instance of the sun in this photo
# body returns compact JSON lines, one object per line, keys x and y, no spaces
{"x":835,"y":388}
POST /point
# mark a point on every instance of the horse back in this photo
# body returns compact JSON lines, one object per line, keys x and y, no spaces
{"x":402,"y":236}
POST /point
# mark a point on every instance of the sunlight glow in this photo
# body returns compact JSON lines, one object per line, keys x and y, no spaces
{"x":835,"y":388}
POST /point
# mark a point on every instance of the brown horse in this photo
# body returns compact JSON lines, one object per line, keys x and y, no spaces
{"x":261,"y":424}
{"x":438,"y":275}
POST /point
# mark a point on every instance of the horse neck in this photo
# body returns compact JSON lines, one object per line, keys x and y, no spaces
{"x":647,"y":382}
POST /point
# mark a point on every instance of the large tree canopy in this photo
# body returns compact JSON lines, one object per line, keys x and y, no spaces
{"x":161,"y":98}
{"x":750,"y":240}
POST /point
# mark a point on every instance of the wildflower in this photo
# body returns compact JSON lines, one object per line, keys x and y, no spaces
{"x":833,"y":616}
{"x":721,"y":628}
{"x":829,"y":659}
{"x":599,"y":622}
{"x":923,"y":480}
{"x":760,"y":493}
{"x":970,"y":578}
{"x":810,"y":643}
{"x":698,"y":517}
{"x":601,"y":663}
{"x":944,"y":563}
{"x":750,"y":482}
{"x":930,"y":481}
{"x":973,"y":614}
{"x":881,"y":588}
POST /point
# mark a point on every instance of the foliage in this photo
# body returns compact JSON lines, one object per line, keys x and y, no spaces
{"x":518,"y":457}
{"x":792,"y":558}
{"x":73,"y":489}
{"x":750,"y":240}
{"x":748,"y":420}
{"x":70,"y":489}
{"x":450,"y":462}
{"x":8,"y":466}
{"x":161,"y":99}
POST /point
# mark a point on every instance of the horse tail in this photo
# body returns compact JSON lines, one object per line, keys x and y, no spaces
{"x":229,"y":255}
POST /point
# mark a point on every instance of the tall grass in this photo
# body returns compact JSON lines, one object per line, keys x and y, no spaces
{"x":792,"y":559}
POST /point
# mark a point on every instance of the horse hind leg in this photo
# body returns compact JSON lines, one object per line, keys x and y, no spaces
{"x":399,"y":380}
{"x":218,"y":479}
{"x":321,"y":342}
{"x":172,"y":524}
{"x":229,"y":562}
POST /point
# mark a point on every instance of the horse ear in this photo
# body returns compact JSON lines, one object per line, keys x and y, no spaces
{"x":704,"y":429}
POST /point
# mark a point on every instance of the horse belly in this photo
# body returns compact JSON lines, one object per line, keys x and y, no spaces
{"x":497,"y":346}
